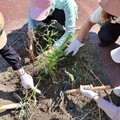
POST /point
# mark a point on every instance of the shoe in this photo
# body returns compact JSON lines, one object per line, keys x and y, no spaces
{"x":116,"y":91}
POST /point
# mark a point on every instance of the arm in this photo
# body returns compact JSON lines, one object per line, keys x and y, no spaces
{"x":75,"y":45}
{"x":9,"y":54}
{"x":109,"y":108}
{"x":85,"y":28}
{"x":70,"y":10}
{"x":31,"y":22}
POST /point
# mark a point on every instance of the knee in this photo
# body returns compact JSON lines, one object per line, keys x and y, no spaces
{"x":104,"y":35}
{"x":107,"y":37}
{"x":109,"y":32}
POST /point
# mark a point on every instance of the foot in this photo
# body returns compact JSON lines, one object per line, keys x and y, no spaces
{"x":116,"y":91}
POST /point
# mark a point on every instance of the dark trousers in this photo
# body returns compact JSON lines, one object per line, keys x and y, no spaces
{"x":58,"y":15}
{"x":9,"y":54}
{"x":109,"y":33}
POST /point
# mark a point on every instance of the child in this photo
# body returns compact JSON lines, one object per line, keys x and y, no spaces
{"x":63,"y":11}
{"x":107,"y":15}
{"x":12,"y":58}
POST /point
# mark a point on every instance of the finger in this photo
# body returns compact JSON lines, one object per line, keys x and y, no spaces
{"x":36,"y":90}
{"x":91,"y":86}
{"x":82,"y":44}
{"x":84,"y":87}
{"x":68,"y":52}
{"x":88,"y":87}
{"x":30,"y":76}
{"x":74,"y":52}
{"x":81,"y":87}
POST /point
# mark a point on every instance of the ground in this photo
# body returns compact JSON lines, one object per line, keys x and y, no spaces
{"x":91,"y":64}
{"x":84,"y":68}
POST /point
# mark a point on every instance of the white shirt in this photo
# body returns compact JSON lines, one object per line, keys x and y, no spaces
{"x":96,"y":16}
{"x":110,"y":109}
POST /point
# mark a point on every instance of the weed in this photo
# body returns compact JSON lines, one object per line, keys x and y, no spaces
{"x":45,"y":37}
{"x":26,"y":102}
{"x":24,"y":111}
{"x":48,"y":62}
{"x":72,"y":79}
{"x":56,"y":56}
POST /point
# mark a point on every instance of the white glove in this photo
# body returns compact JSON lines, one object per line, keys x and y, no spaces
{"x":85,"y":91}
{"x":27,"y":82}
{"x":116,"y":20}
{"x":73,"y":47}
{"x":116,"y":91}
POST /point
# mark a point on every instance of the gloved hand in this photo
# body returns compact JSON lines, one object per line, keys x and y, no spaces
{"x":89,"y":93}
{"x":116,"y":20}
{"x":27,"y":81}
{"x":73,"y":47}
{"x":116,"y":91}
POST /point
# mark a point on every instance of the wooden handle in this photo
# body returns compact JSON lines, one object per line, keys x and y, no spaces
{"x":107,"y":87}
{"x":10,"y":106}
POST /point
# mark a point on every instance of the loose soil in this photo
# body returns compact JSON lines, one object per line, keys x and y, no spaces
{"x":53,"y":104}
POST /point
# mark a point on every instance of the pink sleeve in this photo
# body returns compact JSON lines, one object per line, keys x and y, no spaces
{"x":109,"y":108}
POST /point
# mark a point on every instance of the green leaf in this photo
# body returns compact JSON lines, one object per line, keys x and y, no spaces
{"x":52,"y":63}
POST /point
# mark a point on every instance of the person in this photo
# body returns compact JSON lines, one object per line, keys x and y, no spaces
{"x":115,"y":55}
{"x":109,"y":108}
{"x":107,"y":15}
{"x":63,"y":11}
{"x":9,"y":54}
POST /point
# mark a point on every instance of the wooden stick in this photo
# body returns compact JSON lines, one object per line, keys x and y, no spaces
{"x":107,"y":87}
{"x":10,"y":106}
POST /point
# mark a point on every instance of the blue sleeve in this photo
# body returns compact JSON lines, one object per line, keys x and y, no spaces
{"x":70,"y":9}
{"x":70,"y":16}
{"x":31,"y":22}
